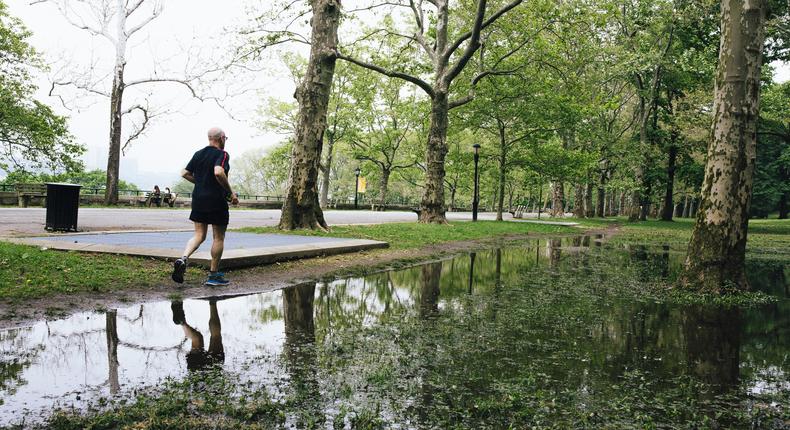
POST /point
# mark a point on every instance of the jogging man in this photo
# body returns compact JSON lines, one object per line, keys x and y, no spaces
{"x":208,"y":170}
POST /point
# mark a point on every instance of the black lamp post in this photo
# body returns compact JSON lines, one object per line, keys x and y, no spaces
{"x":475,"y":197}
{"x":356,"y":189}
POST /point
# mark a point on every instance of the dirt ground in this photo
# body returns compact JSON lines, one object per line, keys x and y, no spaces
{"x":254,"y":280}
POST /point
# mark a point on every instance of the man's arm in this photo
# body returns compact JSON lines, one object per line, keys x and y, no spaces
{"x":222,"y":178}
{"x":186,"y":174}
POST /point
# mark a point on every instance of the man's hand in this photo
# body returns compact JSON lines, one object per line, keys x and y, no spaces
{"x":234,"y":199}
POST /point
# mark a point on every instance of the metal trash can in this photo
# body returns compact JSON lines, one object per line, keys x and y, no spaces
{"x":63,"y":203}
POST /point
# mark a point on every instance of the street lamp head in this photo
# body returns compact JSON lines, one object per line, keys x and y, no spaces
{"x":357,"y":171}
{"x":476,"y":146}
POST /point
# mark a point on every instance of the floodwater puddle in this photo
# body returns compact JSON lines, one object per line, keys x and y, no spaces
{"x":551,"y":332}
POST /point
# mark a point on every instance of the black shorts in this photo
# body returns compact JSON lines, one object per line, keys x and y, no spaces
{"x":215,"y":217}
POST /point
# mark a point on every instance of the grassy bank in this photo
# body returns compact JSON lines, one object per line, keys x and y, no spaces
{"x":768,"y":238}
{"x":413,"y":235}
{"x":29,"y":272}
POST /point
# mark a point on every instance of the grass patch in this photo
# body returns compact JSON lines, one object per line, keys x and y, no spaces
{"x":29,"y":272}
{"x":414,"y":235}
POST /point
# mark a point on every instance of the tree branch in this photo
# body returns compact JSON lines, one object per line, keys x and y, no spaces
{"x":460,"y":102}
{"x":393,"y":74}
{"x":138,"y":130}
{"x":154,"y":14}
{"x":452,"y":48}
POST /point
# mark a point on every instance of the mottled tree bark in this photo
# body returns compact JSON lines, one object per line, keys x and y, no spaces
{"x":301,"y":208}
{"x":384,"y":185}
{"x":716,"y":253}
{"x":327,"y":170}
{"x":557,"y":198}
{"x":114,"y":156}
{"x":432,"y":205}
{"x":686,"y":207}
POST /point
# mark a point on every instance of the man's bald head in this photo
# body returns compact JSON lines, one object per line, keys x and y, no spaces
{"x":217,"y":136}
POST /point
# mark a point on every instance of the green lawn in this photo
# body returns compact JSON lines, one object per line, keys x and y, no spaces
{"x":413,"y":235}
{"x":28,"y":272}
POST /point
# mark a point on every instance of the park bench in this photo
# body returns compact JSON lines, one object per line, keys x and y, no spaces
{"x":25,"y":192}
{"x":149,"y":199}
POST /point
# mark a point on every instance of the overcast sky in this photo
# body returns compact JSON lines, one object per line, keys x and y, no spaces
{"x":158,"y":156}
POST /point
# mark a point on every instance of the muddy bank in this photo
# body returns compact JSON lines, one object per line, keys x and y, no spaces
{"x":256,"y":279}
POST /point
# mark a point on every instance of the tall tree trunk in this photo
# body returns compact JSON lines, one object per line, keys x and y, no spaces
{"x":578,"y":201}
{"x":116,"y":108}
{"x":385,"y":181}
{"x":589,"y":209}
{"x":557,"y":197}
{"x":599,"y":204}
{"x":502,"y":169}
{"x":621,"y":206}
{"x":327,"y":171}
{"x":716,"y":253}
{"x":686,"y":207}
{"x":432,"y":210}
{"x":452,"y":195}
{"x":114,"y":156}
{"x":669,"y":205}
{"x":301,"y":208}
{"x":646,"y":203}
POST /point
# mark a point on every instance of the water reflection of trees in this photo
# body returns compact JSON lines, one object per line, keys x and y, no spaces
{"x":300,"y":356}
{"x":569,"y":335}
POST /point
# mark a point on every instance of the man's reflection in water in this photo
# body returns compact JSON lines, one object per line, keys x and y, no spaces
{"x":197,"y":357}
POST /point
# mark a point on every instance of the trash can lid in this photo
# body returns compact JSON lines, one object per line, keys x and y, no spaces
{"x":63,"y":184}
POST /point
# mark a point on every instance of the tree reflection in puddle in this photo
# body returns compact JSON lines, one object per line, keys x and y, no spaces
{"x":558,"y":332}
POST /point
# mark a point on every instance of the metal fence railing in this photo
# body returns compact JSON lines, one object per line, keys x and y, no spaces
{"x":362,"y":199}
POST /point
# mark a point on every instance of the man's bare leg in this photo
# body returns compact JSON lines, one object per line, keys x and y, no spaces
{"x":197,"y":239}
{"x":217,"y":245}
{"x":180,"y":265}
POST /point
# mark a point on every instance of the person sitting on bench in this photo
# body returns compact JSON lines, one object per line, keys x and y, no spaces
{"x":155,"y":197}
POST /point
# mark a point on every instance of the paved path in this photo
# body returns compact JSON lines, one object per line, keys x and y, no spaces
{"x":30,"y":221}
{"x":241,"y":249}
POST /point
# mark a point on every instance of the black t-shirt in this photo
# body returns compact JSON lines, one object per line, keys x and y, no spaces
{"x":208,"y":194}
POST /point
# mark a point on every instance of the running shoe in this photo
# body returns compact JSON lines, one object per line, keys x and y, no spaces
{"x":217,"y":280}
{"x":179,"y":268}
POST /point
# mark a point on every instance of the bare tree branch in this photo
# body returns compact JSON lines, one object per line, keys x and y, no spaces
{"x":138,"y":129}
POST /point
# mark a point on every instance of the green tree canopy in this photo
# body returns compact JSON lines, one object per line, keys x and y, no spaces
{"x":32,"y":137}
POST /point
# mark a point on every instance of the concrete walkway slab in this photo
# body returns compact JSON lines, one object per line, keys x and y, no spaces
{"x":241,"y":249}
